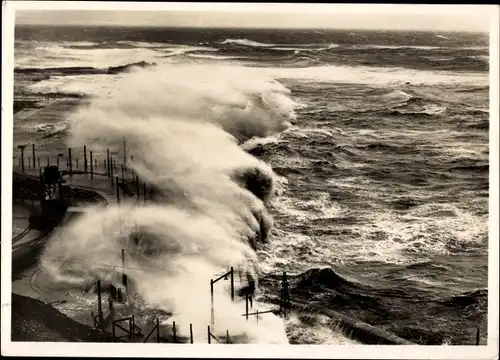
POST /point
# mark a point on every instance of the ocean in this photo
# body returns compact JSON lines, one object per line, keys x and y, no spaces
{"x":376,"y":143}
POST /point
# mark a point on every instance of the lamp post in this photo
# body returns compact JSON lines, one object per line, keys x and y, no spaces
{"x":212,"y":282}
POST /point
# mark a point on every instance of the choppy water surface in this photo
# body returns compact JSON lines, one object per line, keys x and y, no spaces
{"x":378,"y":142}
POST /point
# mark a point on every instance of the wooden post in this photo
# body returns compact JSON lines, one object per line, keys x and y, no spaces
{"x":130,"y":328}
{"x":123,"y":173}
{"x":232,"y":284}
{"x":157,"y":329}
{"x":246,"y":305}
{"x":77,"y":163}
{"x":117,"y":191}
{"x":124,"y":151}
{"x":70,"y":163}
{"x":113,"y":324}
{"x":111,"y":170}
{"x":85,"y":164}
{"x":39,"y":163}
{"x":67,"y":163}
{"x":34,"y":157}
{"x":22,"y":158}
{"x":19,"y":158}
{"x":99,"y":303}
{"x":144,"y":192}
{"x":227,"y":336}
{"x":104,"y":165}
{"x":95,"y":164}
{"x":108,"y":166}
{"x":212,"y":313}
{"x":124,"y":276}
{"x":478,"y":333}
{"x":191,"y":332}
{"x":174,"y":332}
{"x":257,"y":316}
{"x":91,"y":166}
{"x":209,"y":340}
{"x":137,"y":189}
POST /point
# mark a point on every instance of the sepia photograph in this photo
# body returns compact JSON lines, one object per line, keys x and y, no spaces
{"x":264,"y":175}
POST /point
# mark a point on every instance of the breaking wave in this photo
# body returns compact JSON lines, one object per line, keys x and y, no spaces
{"x":182,"y":125}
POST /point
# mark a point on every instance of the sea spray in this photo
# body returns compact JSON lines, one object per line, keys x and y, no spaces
{"x":242,"y":101}
{"x":182,"y":125}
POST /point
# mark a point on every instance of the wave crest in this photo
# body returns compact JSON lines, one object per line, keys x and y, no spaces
{"x":182,"y":125}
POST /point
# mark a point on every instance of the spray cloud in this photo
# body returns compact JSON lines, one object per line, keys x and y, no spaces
{"x":182,"y":124}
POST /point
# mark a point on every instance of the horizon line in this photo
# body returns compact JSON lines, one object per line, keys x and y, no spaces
{"x":145,"y":26}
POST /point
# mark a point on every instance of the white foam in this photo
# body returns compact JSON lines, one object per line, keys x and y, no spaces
{"x":378,"y":76}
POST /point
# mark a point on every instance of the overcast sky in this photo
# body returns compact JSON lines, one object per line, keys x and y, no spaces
{"x":416,"y":17}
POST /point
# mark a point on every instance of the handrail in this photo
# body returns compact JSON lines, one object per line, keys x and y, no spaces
{"x":123,"y":319}
{"x":120,"y":327}
{"x":150,"y":333}
{"x":261,"y":312}
{"x":213,"y":336}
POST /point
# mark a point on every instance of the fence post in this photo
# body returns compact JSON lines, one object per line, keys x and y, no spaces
{"x":191,"y":332}
{"x":130,"y":328}
{"x":123,"y":173}
{"x":212,"y":313}
{"x":144,"y":192}
{"x":111,"y":170}
{"x":124,"y":276}
{"x":117,"y":191}
{"x":39,"y":163}
{"x":99,"y":304}
{"x":477,"y":336}
{"x":22,"y":147}
{"x":108,"y":167}
{"x":227,"y":336}
{"x":137,"y":189}
{"x":246,"y":305}
{"x":174,"y":332}
{"x":157,"y":329}
{"x":209,"y":340}
{"x":77,"y":163}
{"x":70,"y":162}
{"x":257,"y":316}
{"x":85,"y":158}
{"x":113,"y":326}
{"x":34,"y":157}
{"x":232,"y":283}
{"x":91,"y":166}
{"x":124,"y":151}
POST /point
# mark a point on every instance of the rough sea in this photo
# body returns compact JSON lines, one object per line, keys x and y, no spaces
{"x":377,"y":140}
